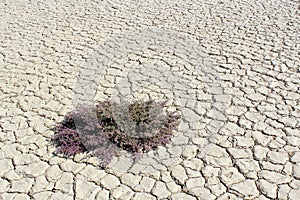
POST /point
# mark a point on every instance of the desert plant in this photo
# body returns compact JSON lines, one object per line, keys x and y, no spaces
{"x":143,"y":127}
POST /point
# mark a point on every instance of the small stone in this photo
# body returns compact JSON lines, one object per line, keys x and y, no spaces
{"x":12,"y":175}
{"x":213,"y":150}
{"x":166,"y":176}
{"x":217,"y":138}
{"x":292,"y":132}
{"x":160,"y":190}
{"x":181,"y":196}
{"x":92,"y":173}
{"x":42,"y":195}
{"x":103,"y":195}
{"x":283,"y":191}
{"x":7,"y":126}
{"x":264,"y":90}
{"x":260,"y":152}
{"x":233,"y":119}
{"x":214,"y":114}
{"x":210,"y":171}
{"x":274,"y":177}
{"x":194,"y":163}
{"x":236,"y":110}
{"x":202,"y":193}
{"x":294,"y":141}
{"x":20,"y":197}
{"x":251,"y":175}
{"x":271,"y":167}
{"x":278,"y":157}
{"x":25,"y":159}
{"x":41,"y":184}
{"x":297,"y":170}
{"x":213,"y":127}
{"x":296,"y":157}
{"x":144,"y":196}
{"x":195,"y":182}
{"x":290,"y":149}
{"x":288,"y":121}
{"x":245,"y":123}
{"x":259,"y":126}
{"x":218,"y":162}
{"x":122,"y":165}
{"x":199,"y":141}
{"x":146,"y":184}
{"x":5,"y":166}
{"x":180,"y":139}
{"x":42,"y":152}
{"x":183,"y":127}
{"x":228,"y":196}
{"x":36,"y":169}
{"x":212,"y":180}
{"x":175,"y":151}
{"x":247,"y":188}
{"x":53,"y":173}
{"x":189,"y":151}
{"x":222,"y":98}
{"x":86,"y":190}
{"x":277,"y":143}
{"x":231,"y":175}
{"x":61,"y":195}
{"x":274,"y":123}
{"x":273,"y":115}
{"x":22,"y":186}
{"x":274,"y":132}
{"x":215,"y":90}
{"x":9,"y":196}
{"x":257,"y":97}
{"x":294,"y":194}
{"x":110,"y":182}
{"x":2,"y":153}
{"x":268,"y":189}
{"x":288,"y":168}
{"x":173,"y":187}
{"x":71,"y":166}
{"x":53,"y":105}
{"x":122,"y":192}
{"x":217,"y":189}
{"x":4,"y":185}
{"x":246,"y":165}
{"x":56,"y":160}
{"x":261,"y":197}
{"x":190,"y":115}
{"x":244,"y":141}
{"x":292,"y":96}
{"x":283,"y":68}
{"x":130,"y":179}
{"x":178,"y":172}
{"x":152,"y":172}
{"x":162,"y":152}
{"x":65,"y":183}
{"x":254,"y":116}
{"x":295,"y":184}
{"x":232,"y":129}
{"x":240,"y":153}
{"x":261,"y":138}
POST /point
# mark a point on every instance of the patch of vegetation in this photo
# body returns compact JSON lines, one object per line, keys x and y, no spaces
{"x":102,"y":130}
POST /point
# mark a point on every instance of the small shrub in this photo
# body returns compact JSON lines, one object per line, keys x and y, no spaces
{"x":68,"y":142}
{"x":137,"y":127}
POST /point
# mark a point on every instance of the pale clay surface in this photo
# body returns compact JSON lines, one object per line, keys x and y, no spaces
{"x":254,"y":50}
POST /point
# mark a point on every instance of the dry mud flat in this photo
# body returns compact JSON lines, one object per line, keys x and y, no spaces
{"x":241,"y":135}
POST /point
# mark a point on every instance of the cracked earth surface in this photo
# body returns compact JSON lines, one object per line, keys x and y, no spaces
{"x":243,"y":146}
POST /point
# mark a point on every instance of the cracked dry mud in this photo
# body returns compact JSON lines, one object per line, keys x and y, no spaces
{"x":243,"y":146}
